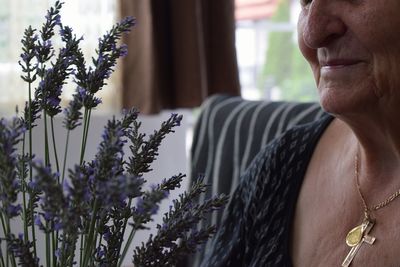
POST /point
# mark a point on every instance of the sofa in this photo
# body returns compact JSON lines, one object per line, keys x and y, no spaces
{"x":228,"y":134}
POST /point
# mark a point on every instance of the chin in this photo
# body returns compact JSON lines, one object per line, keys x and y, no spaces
{"x":342,"y":102}
{"x":338,"y":102}
{"x":330,"y":101}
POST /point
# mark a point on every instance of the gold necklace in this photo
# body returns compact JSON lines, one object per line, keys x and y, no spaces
{"x":359,"y":234}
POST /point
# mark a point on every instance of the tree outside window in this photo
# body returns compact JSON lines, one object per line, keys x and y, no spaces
{"x":270,"y":63}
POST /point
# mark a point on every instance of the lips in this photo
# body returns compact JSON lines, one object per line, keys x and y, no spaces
{"x":339,"y":63}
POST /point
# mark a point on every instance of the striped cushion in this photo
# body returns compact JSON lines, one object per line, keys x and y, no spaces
{"x":229,"y":133}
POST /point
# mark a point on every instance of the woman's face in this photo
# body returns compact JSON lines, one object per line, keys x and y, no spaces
{"x":353,"y":47}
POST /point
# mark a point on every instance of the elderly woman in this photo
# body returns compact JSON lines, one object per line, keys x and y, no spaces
{"x":325,"y":194}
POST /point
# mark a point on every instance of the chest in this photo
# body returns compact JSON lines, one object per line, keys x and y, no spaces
{"x":325,"y":213}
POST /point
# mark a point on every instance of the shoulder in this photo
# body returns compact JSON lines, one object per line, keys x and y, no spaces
{"x":283,"y":159}
{"x":293,"y":143}
{"x":256,"y":207}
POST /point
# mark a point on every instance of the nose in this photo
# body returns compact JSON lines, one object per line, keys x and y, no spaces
{"x":323,"y":23}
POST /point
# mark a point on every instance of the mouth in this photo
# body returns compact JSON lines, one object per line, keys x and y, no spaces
{"x":339,"y":63}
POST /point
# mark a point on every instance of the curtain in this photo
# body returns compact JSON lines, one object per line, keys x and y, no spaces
{"x":180,"y":52}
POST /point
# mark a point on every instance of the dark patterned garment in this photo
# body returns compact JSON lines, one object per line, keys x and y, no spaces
{"x":256,"y":227}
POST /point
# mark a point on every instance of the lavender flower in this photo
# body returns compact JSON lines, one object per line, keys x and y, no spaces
{"x":49,"y":91}
{"x":93,"y":79}
{"x":10,"y":136}
{"x":88,"y":100}
{"x":35,"y":109}
{"x":116,"y":191}
{"x":44,"y":48}
{"x":108,"y":255}
{"x":108,"y":44}
{"x":179,"y":224}
{"x":72,"y":113}
{"x":109,"y":158}
{"x":148,"y":204}
{"x":145,"y":152}
{"x":22,"y":250}
{"x":129,"y":118}
{"x":52,"y":201}
{"x":29,"y":53}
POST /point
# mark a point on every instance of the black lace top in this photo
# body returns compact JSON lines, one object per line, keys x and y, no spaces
{"x":256,"y":227}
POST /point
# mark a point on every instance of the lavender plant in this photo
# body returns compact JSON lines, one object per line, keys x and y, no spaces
{"x":84,"y":213}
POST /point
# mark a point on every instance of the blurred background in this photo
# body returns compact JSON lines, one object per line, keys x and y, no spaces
{"x":269,"y":63}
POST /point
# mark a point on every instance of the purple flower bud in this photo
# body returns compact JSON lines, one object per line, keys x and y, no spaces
{"x":166,"y":193}
{"x":57,"y":253}
{"x":58,"y":226}
{"x":139,"y":206}
{"x":154,"y":210}
{"x":58,"y":19}
{"x":123,"y":50}
{"x":48,"y":216}
{"x":32,"y":185}
{"x":38,"y":221}
{"x":48,"y":43}
{"x":13,"y":210}
{"x":100,"y":253}
{"x":67,"y":188}
{"x":107,"y":235}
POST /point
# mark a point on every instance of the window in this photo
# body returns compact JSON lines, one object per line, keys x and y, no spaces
{"x":90,"y":19}
{"x":271,"y":66}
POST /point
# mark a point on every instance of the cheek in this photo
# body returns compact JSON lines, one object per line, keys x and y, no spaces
{"x":382,"y":39}
{"x":386,"y":72}
{"x":309,"y":54}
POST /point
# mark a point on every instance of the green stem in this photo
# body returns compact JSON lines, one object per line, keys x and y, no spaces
{"x":83,"y":144}
{"x":9,"y":255}
{"x":47,"y":163}
{"x":2,"y":260}
{"x":90,"y":238}
{"x":33,"y":230}
{"x":127,"y":245}
{"x":3,"y":223}
{"x":54,"y":237}
{"x":87,"y":126}
{"x":85,"y":122}
{"x":81,"y":249}
{"x":26,"y":237}
{"x":30,"y":165}
{"x":85,"y":134}
{"x":91,"y":260}
{"x":63,"y":258}
{"x":48,"y":258}
{"x":46,"y":141}
{"x":24,"y":191}
{"x":54,"y":146}
{"x":65,"y":156}
{"x":123,"y":232}
{"x":30,"y":130}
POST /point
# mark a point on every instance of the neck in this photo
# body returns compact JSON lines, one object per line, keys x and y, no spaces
{"x":379,"y":156}
{"x":379,"y":141}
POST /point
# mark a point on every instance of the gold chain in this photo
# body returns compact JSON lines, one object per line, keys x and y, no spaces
{"x":378,"y":206}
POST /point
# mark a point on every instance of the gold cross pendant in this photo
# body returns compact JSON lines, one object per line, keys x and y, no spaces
{"x":356,"y":238}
